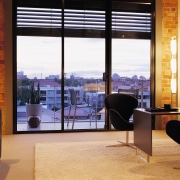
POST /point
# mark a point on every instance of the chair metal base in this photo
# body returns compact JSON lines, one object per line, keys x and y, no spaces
{"x":124,"y":143}
{"x":127,"y":144}
{"x":121,"y":144}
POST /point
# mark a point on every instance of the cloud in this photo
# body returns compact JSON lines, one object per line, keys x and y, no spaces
{"x":84,"y":57}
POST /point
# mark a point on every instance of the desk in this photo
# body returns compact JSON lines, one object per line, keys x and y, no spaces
{"x":143,"y":128}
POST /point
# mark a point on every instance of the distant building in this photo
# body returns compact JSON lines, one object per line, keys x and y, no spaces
{"x":115,"y":76}
{"x":51,"y":94}
{"x":52,"y":77}
{"x":93,"y":92}
{"x":20,"y":75}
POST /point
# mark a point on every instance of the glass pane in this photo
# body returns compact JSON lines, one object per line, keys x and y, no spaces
{"x":84,"y":67}
{"x":131,"y":68}
{"x":38,"y":61}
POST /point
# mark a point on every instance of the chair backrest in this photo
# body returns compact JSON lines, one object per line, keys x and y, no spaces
{"x":173,"y":130}
{"x":123,"y":104}
{"x":73,"y":98}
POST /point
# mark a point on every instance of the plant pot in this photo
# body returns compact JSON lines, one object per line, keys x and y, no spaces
{"x":33,"y":113}
{"x":34,"y":121}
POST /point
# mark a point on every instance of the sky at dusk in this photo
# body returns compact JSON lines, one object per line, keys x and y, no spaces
{"x":41,"y":56}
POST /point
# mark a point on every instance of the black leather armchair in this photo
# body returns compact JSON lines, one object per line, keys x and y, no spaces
{"x":120,"y":108}
{"x":173,"y":130}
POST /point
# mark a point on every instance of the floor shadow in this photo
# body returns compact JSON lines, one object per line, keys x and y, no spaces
{"x":5,"y":167}
{"x":168,"y":168}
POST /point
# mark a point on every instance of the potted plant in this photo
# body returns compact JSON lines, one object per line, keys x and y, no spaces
{"x":33,"y":107}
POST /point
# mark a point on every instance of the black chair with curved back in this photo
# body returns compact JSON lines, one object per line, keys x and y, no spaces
{"x":173,"y":130}
{"x":120,"y":108}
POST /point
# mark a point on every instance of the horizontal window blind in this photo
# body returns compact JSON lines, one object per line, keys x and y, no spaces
{"x":139,"y":22}
{"x":38,"y":17}
{"x":84,"y":20}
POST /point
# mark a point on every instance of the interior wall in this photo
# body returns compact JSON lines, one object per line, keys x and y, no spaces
{"x":169,"y":29}
{"x":2,"y":63}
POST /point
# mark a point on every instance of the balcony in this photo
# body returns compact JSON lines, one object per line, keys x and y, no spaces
{"x":51,"y":120}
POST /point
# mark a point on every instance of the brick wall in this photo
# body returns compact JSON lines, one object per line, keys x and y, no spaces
{"x":169,"y":29}
{"x":2,"y":66}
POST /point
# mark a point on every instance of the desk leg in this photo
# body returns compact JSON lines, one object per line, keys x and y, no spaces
{"x":143,"y":131}
{"x":142,"y":156}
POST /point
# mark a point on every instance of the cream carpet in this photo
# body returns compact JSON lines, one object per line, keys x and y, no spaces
{"x":96,"y":161}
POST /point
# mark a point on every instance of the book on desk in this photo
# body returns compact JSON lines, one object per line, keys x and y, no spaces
{"x":161,"y":109}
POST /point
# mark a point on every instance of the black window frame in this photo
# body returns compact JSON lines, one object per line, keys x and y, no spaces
{"x":110,"y":8}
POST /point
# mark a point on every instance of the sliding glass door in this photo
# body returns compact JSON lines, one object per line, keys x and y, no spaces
{"x":38,"y":61}
{"x":84,"y":67}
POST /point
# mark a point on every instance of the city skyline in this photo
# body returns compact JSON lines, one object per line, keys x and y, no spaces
{"x":22,"y":75}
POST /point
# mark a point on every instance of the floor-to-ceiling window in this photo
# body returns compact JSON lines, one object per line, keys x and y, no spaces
{"x":84,"y":63}
{"x":38,"y":60}
{"x":131,"y":50}
{"x":62,"y":46}
{"x":84,"y":66}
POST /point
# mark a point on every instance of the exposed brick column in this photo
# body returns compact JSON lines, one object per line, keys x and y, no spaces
{"x":169,"y":29}
{"x":2,"y":66}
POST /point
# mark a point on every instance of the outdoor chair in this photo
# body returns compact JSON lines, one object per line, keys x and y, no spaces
{"x":76,"y":102}
{"x":132,"y":92}
{"x":173,"y":130}
{"x":120,"y":108}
